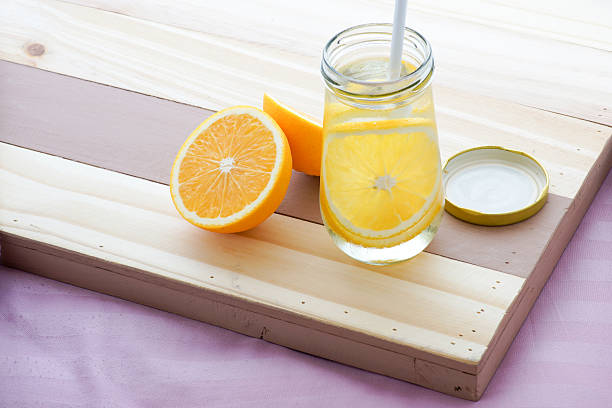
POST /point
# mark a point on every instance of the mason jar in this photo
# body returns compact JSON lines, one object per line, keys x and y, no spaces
{"x":381,"y":191}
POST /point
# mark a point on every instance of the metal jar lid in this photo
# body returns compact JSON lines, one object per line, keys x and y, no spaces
{"x":491,"y":185}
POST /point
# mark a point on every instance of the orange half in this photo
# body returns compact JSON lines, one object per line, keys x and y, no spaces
{"x":232,"y":172}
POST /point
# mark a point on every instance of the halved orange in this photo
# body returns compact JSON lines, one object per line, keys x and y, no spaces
{"x":305,"y":135}
{"x":232,"y":172}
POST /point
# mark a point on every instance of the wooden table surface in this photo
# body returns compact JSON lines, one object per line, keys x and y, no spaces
{"x":531,"y":75}
{"x":550,"y":55}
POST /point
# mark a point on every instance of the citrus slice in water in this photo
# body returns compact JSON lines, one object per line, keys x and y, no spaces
{"x":400,"y":125}
{"x":232,"y":172}
{"x":381,"y":180}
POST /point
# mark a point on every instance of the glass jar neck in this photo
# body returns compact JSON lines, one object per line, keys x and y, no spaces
{"x":373,"y":41}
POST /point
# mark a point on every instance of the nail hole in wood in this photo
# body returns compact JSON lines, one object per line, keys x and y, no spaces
{"x":482,"y":310}
{"x":507,"y":262}
{"x":469,"y":349}
{"x":457,"y":388}
{"x":100,"y":246}
{"x":473,"y":331}
{"x":394,"y":329}
{"x":303,"y":302}
{"x":453,"y":343}
{"x":346,"y":312}
{"x":460,"y":335}
{"x":212,"y":277}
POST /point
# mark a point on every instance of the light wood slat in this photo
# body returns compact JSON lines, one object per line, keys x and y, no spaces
{"x":581,"y":24}
{"x":498,"y":49}
{"x":575,"y":23}
{"x":199,"y":69}
{"x":129,"y":221}
{"x":586,"y":23}
{"x":565,"y":146}
{"x":572,"y":22}
{"x":421,"y":271}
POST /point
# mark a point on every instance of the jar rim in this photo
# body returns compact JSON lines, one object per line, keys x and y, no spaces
{"x":333,"y":76}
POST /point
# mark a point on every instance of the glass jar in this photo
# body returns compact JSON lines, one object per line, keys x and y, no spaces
{"x":381,"y":191}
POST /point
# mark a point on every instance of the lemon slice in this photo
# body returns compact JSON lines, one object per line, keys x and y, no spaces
{"x":395,"y":124}
{"x":381,"y":180}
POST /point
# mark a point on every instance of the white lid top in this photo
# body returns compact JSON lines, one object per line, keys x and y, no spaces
{"x":492,"y":180}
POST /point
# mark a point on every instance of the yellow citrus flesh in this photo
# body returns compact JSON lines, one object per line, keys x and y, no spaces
{"x":386,"y":124}
{"x":232,"y":172}
{"x":383,"y":242}
{"x":305,"y":135}
{"x":381,"y":180}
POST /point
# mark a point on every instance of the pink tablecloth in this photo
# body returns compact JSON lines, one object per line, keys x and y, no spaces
{"x":62,"y":346}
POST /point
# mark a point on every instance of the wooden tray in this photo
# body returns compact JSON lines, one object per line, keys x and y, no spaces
{"x":443,"y":320}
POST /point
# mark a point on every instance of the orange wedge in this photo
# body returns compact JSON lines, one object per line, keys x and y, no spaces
{"x":305,"y":135}
{"x":232,"y":172}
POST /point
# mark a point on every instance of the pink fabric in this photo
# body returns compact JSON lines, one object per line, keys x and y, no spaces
{"x":62,"y":346}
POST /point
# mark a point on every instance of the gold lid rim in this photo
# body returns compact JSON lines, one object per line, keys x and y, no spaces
{"x":498,"y":219}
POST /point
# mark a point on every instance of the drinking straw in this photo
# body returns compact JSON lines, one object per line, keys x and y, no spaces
{"x":397,"y":39}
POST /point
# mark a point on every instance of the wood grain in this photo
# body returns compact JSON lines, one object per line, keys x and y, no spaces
{"x":130,"y":222}
{"x":195,"y":52}
{"x":586,"y":25}
{"x":138,"y":135}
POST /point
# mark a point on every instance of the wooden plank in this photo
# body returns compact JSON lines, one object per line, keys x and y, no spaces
{"x":200,"y":62}
{"x":127,"y":222}
{"x":138,"y":135}
{"x":37,"y":260}
{"x":583,"y":24}
{"x":566,"y":147}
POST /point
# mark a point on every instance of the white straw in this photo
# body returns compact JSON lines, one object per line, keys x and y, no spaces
{"x":397,"y":39}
